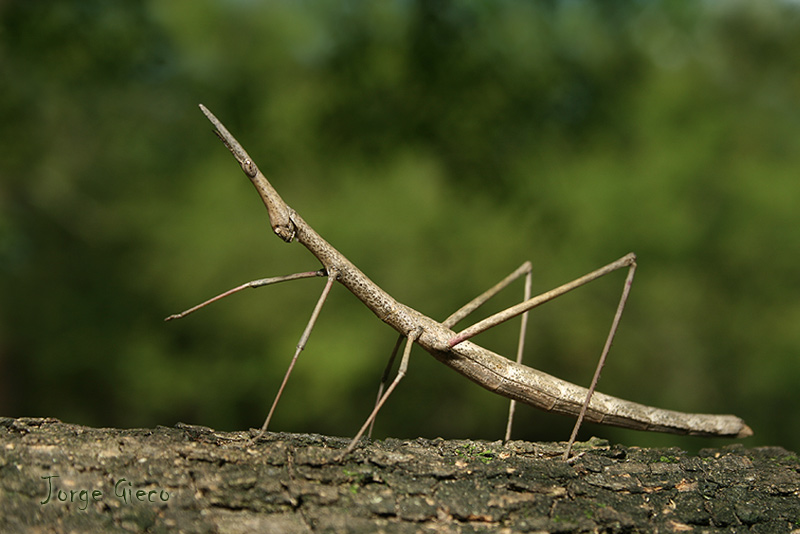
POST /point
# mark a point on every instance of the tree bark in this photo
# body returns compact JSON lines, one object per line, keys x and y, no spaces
{"x":58,"y":477}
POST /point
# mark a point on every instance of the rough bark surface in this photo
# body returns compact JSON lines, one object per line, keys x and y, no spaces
{"x":196,"y":480}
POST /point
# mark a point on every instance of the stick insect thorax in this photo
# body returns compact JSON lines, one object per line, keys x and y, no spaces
{"x":486,"y":368}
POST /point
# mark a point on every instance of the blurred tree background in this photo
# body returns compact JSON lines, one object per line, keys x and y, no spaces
{"x":438,"y":145}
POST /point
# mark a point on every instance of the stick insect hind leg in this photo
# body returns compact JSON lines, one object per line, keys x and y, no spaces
{"x":461,"y":313}
{"x":478,"y":301}
{"x":626,"y":289}
{"x":628,"y":261}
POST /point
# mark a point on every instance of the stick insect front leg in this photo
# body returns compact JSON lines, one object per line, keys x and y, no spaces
{"x":301,"y":344}
{"x":248,"y":285}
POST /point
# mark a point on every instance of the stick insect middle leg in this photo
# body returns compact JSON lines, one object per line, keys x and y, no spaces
{"x":385,"y":378}
{"x":401,"y":372}
{"x":461,"y":313}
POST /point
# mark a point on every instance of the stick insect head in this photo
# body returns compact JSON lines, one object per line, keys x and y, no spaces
{"x":279,"y":212}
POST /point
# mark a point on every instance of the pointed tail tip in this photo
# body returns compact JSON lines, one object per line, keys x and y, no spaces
{"x":745,"y":432}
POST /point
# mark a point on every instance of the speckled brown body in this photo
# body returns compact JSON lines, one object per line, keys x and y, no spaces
{"x":486,"y":368}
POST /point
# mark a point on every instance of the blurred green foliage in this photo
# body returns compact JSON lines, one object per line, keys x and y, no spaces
{"x":438,"y":145}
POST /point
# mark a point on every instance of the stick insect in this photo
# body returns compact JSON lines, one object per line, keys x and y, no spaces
{"x":508,"y":378}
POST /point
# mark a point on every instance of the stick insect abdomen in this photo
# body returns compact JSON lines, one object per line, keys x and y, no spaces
{"x":541,"y":390}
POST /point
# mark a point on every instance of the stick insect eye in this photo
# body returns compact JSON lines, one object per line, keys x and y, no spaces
{"x":249,"y":168}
